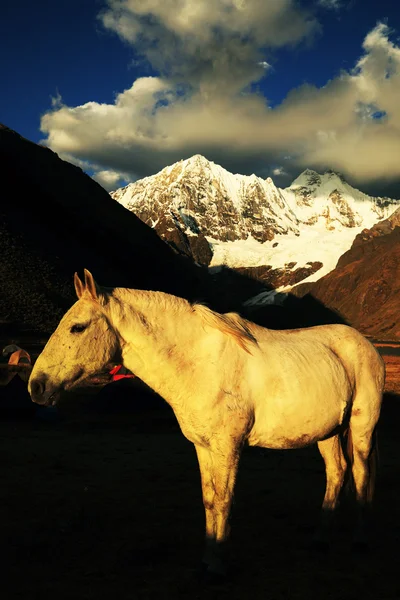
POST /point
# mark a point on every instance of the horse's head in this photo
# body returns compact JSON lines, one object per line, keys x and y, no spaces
{"x":83,"y":344}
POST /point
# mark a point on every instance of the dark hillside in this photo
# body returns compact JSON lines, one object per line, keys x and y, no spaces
{"x":55,"y":220}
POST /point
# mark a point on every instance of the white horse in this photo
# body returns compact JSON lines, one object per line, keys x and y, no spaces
{"x":229,"y":382}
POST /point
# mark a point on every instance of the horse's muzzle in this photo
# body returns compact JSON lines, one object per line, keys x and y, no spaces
{"x":42,"y":392}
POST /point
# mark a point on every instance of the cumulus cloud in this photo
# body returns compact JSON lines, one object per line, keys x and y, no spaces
{"x":277,"y":171}
{"x":109,"y":180}
{"x":207,"y":53}
{"x":214,"y":46}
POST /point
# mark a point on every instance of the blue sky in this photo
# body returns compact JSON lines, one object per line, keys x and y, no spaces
{"x":189,"y":89}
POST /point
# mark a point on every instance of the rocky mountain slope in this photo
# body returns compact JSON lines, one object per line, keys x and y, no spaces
{"x":365,"y":286}
{"x":55,"y":220}
{"x":279,"y":236}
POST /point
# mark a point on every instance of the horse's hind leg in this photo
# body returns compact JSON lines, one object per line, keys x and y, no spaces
{"x":335,"y":467}
{"x":363,"y":470}
{"x":365,"y":413}
{"x":364,"y":417}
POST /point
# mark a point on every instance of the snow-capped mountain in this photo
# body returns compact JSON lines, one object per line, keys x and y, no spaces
{"x":247,"y":222}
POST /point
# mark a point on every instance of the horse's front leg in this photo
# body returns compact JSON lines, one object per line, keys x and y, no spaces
{"x":218,"y":468}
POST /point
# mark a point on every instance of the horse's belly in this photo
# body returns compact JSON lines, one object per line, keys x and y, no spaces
{"x":298,"y":426}
{"x":287,"y":440}
{"x":301,"y":404}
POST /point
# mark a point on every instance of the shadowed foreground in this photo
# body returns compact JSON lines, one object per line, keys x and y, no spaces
{"x":109,"y":505}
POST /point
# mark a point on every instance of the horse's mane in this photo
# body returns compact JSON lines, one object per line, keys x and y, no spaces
{"x":229,"y":323}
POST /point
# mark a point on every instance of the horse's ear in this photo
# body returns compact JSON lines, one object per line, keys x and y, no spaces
{"x":90,"y":285}
{"x":79,"y":287}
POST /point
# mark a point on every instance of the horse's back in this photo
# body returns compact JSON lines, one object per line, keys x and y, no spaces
{"x":350,"y":346}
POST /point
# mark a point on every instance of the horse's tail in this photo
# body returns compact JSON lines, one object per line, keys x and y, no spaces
{"x":372,"y":464}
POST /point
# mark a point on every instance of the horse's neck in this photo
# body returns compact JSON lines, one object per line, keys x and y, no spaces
{"x":158,"y":333}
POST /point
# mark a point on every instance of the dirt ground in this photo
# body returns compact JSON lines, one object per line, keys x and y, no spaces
{"x":109,"y":506}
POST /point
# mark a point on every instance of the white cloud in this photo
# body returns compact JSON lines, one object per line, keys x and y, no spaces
{"x":264,"y":64}
{"x":209,"y":44}
{"x":158,"y":120}
{"x":108,"y":179}
{"x":279,"y":171}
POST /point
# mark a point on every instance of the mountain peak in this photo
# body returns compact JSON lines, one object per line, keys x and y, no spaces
{"x":221,"y":218}
{"x":306,"y":178}
{"x":196,"y":159}
{"x":309,"y":177}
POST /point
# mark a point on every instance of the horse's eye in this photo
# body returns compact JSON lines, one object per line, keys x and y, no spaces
{"x":78,"y":328}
